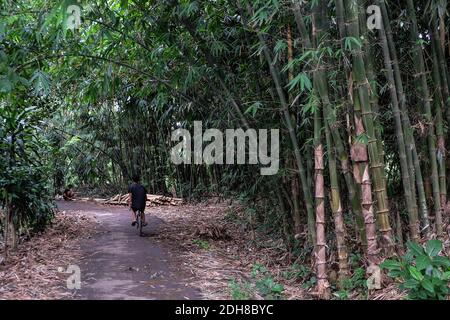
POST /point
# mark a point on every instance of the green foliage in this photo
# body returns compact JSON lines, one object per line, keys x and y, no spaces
{"x":135,"y":71}
{"x":362,"y":138}
{"x":356,"y":282}
{"x":311,"y":282}
{"x":262,"y":283}
{"x":188,"y":8}
{"x":302,"y":81}
{"x":302,"y":274}
{"x":298,"y":272}
{"x":423,"y":273}
{"x":352,"y":43}
{"x":253,"y":109}
{"x":41,"y":83}
{"x":265,"y":284}
{"x":202,"y":244}
{"x":269,"y":288}
{"x":25,"y":192}
{"x":240,"y":291}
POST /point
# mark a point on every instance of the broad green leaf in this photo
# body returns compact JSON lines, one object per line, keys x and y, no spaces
{"x":422,"y":262}
{"x":415,"y":273}
{"x":395,"y":273}
{"x":433,"y":247}
{"x":441,"y":261}
{"x":415,"y":248}
{"x":427,"y":285}
{"x":410,"y":284}
{"x":391,"y":265}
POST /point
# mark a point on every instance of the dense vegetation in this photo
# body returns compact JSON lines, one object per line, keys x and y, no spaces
{"x":363,"y":114}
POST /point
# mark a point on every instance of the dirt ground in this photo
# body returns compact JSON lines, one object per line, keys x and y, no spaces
{"x":117,"y":263}
{"x":187,"y":252}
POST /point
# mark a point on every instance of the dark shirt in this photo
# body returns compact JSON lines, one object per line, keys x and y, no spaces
{"x":138,"y":196}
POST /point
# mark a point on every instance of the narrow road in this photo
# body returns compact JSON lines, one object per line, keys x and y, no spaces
{"x":118,"y":264}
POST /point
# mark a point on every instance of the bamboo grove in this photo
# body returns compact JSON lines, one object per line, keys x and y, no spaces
{"x":363,"y":112}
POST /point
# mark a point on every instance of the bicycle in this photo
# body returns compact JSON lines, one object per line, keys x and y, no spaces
{"x":139,"y":223}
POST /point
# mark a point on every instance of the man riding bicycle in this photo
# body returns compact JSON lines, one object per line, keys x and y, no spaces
{"x":137,"y":198}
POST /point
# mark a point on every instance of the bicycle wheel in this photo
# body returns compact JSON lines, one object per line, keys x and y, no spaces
{"x":140,"y":223}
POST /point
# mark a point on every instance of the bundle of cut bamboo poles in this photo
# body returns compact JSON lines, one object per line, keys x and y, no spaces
{"x":152,"y":199}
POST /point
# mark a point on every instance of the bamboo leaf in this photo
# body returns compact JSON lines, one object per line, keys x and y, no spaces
{"x":352,"y":43}
{"x":301,"y":80}
{"x":253,"y":109}
{"x":41,"y":82}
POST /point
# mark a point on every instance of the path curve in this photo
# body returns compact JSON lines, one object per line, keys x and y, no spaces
{"x":118,"y":264}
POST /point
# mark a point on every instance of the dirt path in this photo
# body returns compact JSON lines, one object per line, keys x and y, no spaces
{"x":118,"y":264}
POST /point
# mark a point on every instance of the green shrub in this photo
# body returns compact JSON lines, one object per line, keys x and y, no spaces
{"x":241,"y":291}
{"x":297,"y":272}
{"x":269,"y":288}
{"x":423,"y":273}
{"x":302,"y":274}
{"x":265,"y":284}
{"x":262,"y":283}
{"x":25,"y":183}
{"x":356,"y":282}
{"x":202,"y":244}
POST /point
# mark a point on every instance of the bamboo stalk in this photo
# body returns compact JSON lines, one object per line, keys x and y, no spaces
{"x":362,"y":177}
{"x":323,"y":286}
{"x":355,"y":192}
{"x":294,"y":181}
{"x":363,"y":90}
{"x":292,"y":134}
{"x":336,"y":208}
{"x":411,"y":150}
{"x":425,"y":97}
{"x":443,"y":71}
{"x":331,"y":122}
{"x":438,"y":103}
{"x":411,"y":209}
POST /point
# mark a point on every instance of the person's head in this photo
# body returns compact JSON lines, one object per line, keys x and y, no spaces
{"x":136,"y":178}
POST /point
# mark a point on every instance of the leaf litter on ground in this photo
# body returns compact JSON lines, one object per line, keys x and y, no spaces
{"x":33,"y":269}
